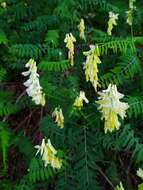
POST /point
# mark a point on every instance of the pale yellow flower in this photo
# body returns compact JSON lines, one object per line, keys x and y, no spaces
{"x":69,"y":40}
{"x":111,"y":107}
{"x":131,"y":4}
{"x":59,"y":118}
{"x":34,"y":89}
{"x":112,"y":21}
{"x":4,"y":5}
{"x":140,"y":173}
{"x":79,"y":100}
{"x":130,"y":12}
{"x":81,"y":28}
{"x":91,"y":65}
{"x":49,"y":154}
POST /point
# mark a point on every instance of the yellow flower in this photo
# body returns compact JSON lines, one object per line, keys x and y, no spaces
{"x":111,"y":107}
{"x":49,"y":154}
{"x":112,"y":21}
{"x":34,"y":89}
{"x":140,"y":173}
{"x":69,"y":40}
{"x":79,"y":100}
{"x":90,"y":66}
{"x":59,"y":118}
{"x":120,"y":187}
{"x":81,"y":28}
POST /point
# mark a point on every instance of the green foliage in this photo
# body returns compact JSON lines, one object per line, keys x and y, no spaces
{"x":4,"y":143}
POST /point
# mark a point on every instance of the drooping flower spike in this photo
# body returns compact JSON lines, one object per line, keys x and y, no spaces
{"x":130,"y":12}
{"x":112,"y":22}
{"x":69,"y":40}
{"x":49,"y":154}
{"x":91,"y":65}
{"x":59,"y":118}
{"x":111,"y":107}
{"x":34,"y":89}
{"x":80,"y":99}
{"x":81,"y":28}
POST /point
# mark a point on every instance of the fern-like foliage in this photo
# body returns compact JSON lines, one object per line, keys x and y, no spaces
{"x":46,"y":65}
{"x":7,"y":106}
{"x":38,"y":172}
{"x":126,"y":69}
{"x":42,"y":21}
{"x":27,"y":50}
{"x":92,"y":5}
{"x":136,"y":106}
{"x":121,"y":45}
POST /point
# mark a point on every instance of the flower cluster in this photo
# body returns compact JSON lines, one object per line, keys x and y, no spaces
{"x":79,"y":100}
{"x":130,"y":12}
{"x":111,"y":107}
{"x":90,"y":66}
{"x":69,"y":40}
{"x":112,"y":21}
{"x":59,"y":118}
{"x":49,"y":154}
{"x":81,"y":28}
{"x":34,"y":89}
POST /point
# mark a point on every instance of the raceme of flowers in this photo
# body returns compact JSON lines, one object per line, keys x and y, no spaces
{"x":69,"y":40}
{"x":81,"y":28}
{"x":49,"y":154}
{"x":111,"y":107}
{"x":34,"y":89}
{"x":112,"y":21}
{"x":130,"y":12}
{"x":91,"y":65}
{"x":59,"y":118}
{"x":80,"y":99}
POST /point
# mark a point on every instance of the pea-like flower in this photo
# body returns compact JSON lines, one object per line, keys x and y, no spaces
{"x":80,"y":99}
{"x":111,"y":107}
{"x":91,"y":65}
{"x":49,"y":154}
{"x":69,"y":40}
{"x":81,"y":28}
{"x":112,"y":21}
{"x":34,"y":89}
{"x":59,"y":118}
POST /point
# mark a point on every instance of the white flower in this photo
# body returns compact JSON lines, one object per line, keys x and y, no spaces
{"x":34,"y":89}
{"x":111,"y":107}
